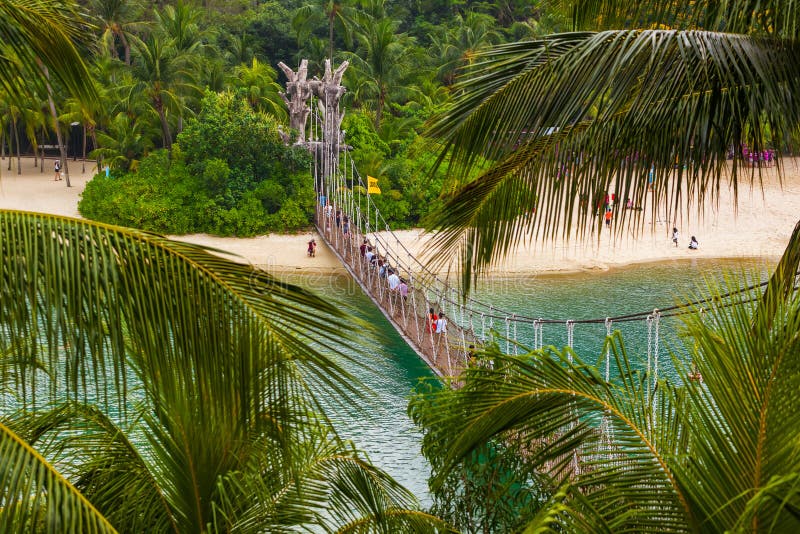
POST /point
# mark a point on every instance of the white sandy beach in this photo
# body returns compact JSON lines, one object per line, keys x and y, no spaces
{"x":760,"y":228}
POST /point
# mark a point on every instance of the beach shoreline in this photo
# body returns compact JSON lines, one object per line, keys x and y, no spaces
{"x":759,"y":229}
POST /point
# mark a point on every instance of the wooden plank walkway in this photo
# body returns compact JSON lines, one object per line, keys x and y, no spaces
{"x":446,"y":353}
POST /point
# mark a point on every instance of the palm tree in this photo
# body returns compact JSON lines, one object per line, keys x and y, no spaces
{"x":380,"y":62}
{"x":338,"y":13}
{"x":124,"y":143}
{"x":166,"y":74}
{"x":116,"y":20}
{"x":174,"y":391}
{"x":721,"y":455}
{"x":257,"y":83}
{"x":456,"y":47}
{"x":546,"y":123}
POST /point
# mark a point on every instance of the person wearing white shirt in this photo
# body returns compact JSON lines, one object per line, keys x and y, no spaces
{"x":393,"y":279}
{"x":441,"y":324}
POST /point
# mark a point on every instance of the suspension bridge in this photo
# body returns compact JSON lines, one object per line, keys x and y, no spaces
{"x":352,"y":226}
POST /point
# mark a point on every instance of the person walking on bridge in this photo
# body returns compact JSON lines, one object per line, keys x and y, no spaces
{"x":441,"y":324}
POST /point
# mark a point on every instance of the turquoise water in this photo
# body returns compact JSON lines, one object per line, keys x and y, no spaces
{"x":382,"y":428}
{"x":613,"y":293}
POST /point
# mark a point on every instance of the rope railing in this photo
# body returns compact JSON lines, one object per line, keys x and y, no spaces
{"x":358,"y":218}
{"x":347,"y":216}
{"x":433,"y":278}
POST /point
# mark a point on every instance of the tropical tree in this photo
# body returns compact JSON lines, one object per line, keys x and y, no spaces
{"x":549,"y":123}
{"x":166,"y":74}
{"x":180,"y":24}
{"x":337,"y":14}
{"x":173,"y":390}
{"x":257,"y":83}
{"x":719,"y":455}
{"x":379,"y":64}
{"x":456,"y":47}
{"x":117,"y":19}
{"x":124,"y":142}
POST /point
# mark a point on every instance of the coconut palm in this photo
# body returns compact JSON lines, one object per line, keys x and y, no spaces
{"x":545,"y":124}
{"x":257,"y":84}
{"x":719,"y":455}
{"x":116,"y":19}
{"x":176,"y":392}
{"x":454,"y":48}
{"x":381,"y":61}
{"x":337,"y":13}
{"x":166,"y":74}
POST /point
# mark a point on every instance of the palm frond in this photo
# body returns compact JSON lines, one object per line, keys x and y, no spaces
{"x":551,"y":126}
{"x":43,"y":33}
{"x":627,"y":455}
{"x":36,"y":497}
{"x":103,"y":463}
{"x":221,"y":352}
{"x":771,"y":17}
{"x":336,"y":490}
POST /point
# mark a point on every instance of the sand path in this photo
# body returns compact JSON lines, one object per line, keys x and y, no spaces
{"x":761,"y":228}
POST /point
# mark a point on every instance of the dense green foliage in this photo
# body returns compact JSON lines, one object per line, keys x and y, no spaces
{"x":229,"y":173}
{"x":169,"y":390}
{"x":493,"y":488}
{"x":151,"y":63}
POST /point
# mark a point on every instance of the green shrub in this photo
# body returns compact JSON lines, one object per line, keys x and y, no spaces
{"x":229,"y":175}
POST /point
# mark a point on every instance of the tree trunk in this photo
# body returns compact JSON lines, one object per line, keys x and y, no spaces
{"x":99,"y":161}
{"x":16,"y":142}
{"x":379,"y":110}
{"x":83,"y":165}
{"x":41,"y":152}
{"x":330,"y":34}
{"x":61,"y":148}
{"x":126,"y":46}
{"x":10,"y":147}
{"x":2,"y":142}
{"x":164,"y":124}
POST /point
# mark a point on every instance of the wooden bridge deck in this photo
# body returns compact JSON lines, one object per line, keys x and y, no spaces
{"x":445,"y":353}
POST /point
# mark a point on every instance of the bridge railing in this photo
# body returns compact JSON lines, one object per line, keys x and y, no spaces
{"x":447,"y":352}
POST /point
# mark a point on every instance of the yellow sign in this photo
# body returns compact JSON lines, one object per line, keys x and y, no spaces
{"x":372,"y":186}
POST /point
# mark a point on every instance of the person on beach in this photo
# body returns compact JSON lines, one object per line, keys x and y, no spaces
{"x":312,"y":248}
{"x":608,"y":219}
{"x":693,"y":244}
{"x":675,"y":236}
{"x":57,"y":169}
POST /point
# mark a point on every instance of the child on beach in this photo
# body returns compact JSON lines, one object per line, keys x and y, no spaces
{"x":312,"y":248}
{"x":675,"y":236}
{"x":57,"y":169}
{"x":693,"y":244}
